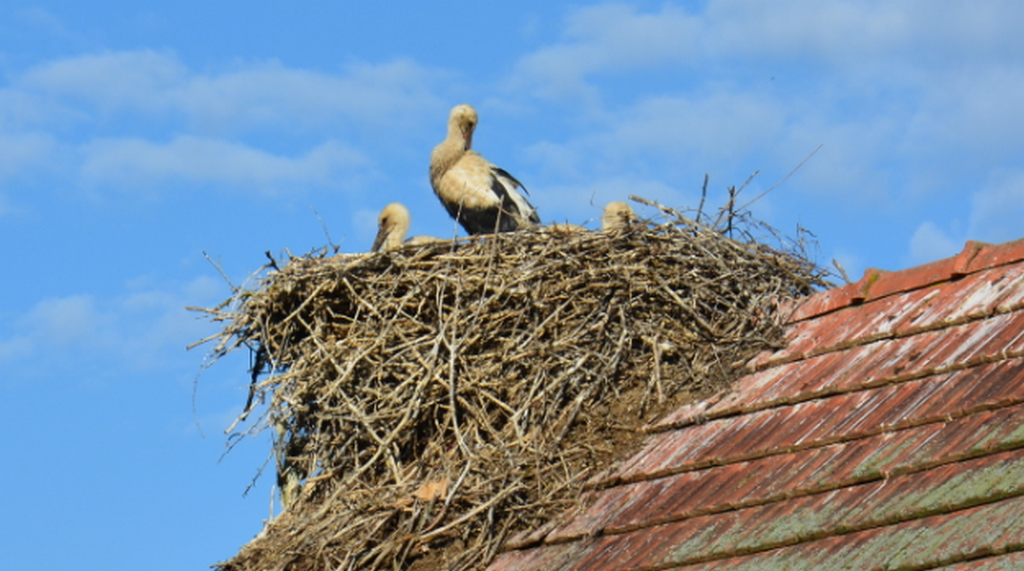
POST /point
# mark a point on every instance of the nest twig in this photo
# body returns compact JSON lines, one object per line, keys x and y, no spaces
{"x":430,"y":402}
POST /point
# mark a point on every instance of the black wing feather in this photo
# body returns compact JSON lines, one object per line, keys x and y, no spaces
{"x":502,"y":172}
{"x":473,"y":221}
{"x":506,"y":200}
{"x":502,"y":217}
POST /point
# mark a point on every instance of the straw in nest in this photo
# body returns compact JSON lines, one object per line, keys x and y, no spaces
{"x":430,"y":402}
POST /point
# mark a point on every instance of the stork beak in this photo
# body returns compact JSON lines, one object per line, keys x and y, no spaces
{"x":379,"y":240}
{"x":468,"y":136}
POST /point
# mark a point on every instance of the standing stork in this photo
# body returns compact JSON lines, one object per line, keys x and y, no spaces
{"x":482,"y":197}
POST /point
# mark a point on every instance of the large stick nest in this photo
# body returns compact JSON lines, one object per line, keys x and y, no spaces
{"x":430,"y":402}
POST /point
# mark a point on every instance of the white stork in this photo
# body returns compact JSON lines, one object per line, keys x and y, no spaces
{"x":392,"y":226}
{"x":482,"y":197}
{"x":617,"y":216}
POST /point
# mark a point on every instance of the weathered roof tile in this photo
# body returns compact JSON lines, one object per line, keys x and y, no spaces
{"x":1012,"y":561}
{"x":889,"y":433}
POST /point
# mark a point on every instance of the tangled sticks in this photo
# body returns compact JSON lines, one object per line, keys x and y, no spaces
{"x":452,"y":394}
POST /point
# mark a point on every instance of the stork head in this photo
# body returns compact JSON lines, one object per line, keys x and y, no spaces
{"x":392,"y":226}
{"x":617,"y":216}
{"x":463,"y":120}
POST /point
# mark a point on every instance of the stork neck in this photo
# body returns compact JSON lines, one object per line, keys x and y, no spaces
{"x":447,"y":154}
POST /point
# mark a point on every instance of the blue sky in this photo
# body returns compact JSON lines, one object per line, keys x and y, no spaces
{"x":135,"y":137}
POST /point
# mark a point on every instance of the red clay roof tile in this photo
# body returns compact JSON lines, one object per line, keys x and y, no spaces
{"x":992,"y":256}
{"x":889,"y":432}
{"x":1013,"y":561}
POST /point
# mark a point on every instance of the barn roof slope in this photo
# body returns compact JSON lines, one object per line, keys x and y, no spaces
{"x":887,"y":434}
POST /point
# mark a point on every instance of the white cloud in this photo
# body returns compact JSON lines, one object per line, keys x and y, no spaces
{"x":16,"y":346}
{"x":57,"y":323}
{"x":889,"y":90}
{"x":261,"y":125}
{"x":137,"y":163}
{"x":382,"y":95}
{"x":110,"y":80}
{"x":141,"y":328}
{"x":256,"y":95}
{"x":860,"y":45}
{"x":997,"y":212}
{"x":26,"y":110}
{"x":851,"y":166}
{"x":608,"y":37}
{"x":24,"y":152}
{"x":972,"y":110}
{"x":704,"y":130}
{"x":926,"y":32}
{"x":673,"y":141}
{"x":41,"y":23}
{"x":930,"y":243}
{"x":843,"y":33}
{"x":717,"y":126}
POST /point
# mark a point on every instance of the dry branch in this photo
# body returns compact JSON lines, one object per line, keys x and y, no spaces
{"x":439,"y":399}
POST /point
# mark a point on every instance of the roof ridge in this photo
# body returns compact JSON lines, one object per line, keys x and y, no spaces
{"x":876,"y":284}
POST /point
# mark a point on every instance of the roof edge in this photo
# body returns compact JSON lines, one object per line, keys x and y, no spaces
{"x":876,"y":284}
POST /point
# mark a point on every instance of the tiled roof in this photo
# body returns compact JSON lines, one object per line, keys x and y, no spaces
{"x":888,"y":434}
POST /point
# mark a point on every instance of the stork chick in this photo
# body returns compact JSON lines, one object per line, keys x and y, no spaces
{"x":617,"y":216}
{"x":392,"y":226}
